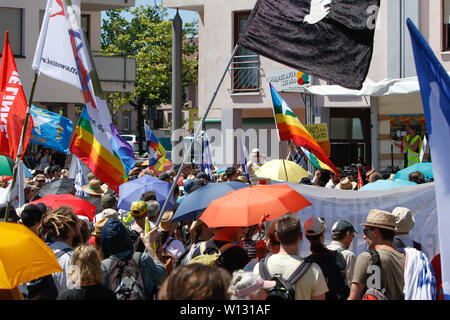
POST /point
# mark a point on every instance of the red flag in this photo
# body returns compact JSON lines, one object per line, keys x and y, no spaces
{"x":360,"y":180}
{"x":13,"y":106}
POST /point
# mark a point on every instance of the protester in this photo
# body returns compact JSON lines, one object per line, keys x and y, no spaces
{"x":29,"y":191}
{"x":296,"y":155}
{"x":98,"y":227}
{"x":342,"y":234}
{"x":232,"y":257}
{"x":404,"y":223}
{"x":256,"y":160}
{"x":109,"y":203}
{"x":249,"y":286}
{"x":332,"y":263}
{"x":412,"y":143}
{"x":116,"y":245}
{"x":167,"y":240}
{"x":379,"y":234}
{"x":187,"y":169}
{"x":39,"y":181}
{"x":95,"y":192}
{"x":312,"y":285}
{"x":417,"y":177}
{"x":248,"y":243}
{"x":63,"y":226}
{"x":138,"y":210}
{"x":375,"y":177}
{"x":346,"y":184}
{"x":231,"y":174}
{"x":87,"y":275}
{"x":31,"y":217}
{"x":42,"y":159}
{"x":196,"y":282}
{"x":272,"y":243}
{"x":12,"y":216}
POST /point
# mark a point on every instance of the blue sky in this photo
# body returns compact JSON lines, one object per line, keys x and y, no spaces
{"x":186,"y":16}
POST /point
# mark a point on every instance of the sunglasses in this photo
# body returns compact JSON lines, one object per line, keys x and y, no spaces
{"x":367,"y":230}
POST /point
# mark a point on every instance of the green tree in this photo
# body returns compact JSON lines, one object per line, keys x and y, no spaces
{"x":144,"y":33}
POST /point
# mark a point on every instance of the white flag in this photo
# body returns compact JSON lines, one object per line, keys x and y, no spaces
{"x":53,"y":56}
{"x":424,"y":146}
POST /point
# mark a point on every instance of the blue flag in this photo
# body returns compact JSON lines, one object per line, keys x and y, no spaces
{"x":243,"y":161}
{"x":208,"y":160}
{"x":50,"y":129}
{"x":434,"y":84}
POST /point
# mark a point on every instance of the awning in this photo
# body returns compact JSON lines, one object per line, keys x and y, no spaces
{"x":375,"y":89}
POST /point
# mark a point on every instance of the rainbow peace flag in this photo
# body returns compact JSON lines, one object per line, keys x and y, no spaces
{"x":290,"y":128}
{"x":106,"y":166}
{"x":314,"y":161}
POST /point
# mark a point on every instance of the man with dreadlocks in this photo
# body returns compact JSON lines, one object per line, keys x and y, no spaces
{"x":62,"y":226}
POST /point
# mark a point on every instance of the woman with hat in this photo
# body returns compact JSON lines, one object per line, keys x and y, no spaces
{"x":95,"y":191}
{"x":379,"y":232}
{"x":167,"y":241}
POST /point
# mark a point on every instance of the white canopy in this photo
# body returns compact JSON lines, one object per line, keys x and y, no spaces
{"x":376,"y":89}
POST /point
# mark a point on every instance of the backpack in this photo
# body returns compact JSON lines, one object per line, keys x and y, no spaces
{"x":124,"y":277}
{"x":284,"y":288}
{"x":210,"y":254}
{"x":334,"y":273}
{"x":374,"y":293}
{"x":166,"y":257}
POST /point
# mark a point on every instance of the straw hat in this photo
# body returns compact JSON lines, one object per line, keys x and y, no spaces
{"x":98,"y":226}
{"x":380,"y":219}
{"x":94,"y":187}
{"x":165,"y":223}
{"x":346,"y":184}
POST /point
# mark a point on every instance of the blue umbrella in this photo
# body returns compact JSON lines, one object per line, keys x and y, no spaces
{"x":132,"y":190}
{"x":424,"y":167}
{"x":196,"y":202}
{"x":387,"y":184}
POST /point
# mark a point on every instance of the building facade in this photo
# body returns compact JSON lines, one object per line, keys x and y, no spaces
{"x":358,"y":127}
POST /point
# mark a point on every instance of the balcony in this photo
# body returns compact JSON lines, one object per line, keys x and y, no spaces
{"x":245,"y":74}
{"x":101,"y":5}
{"x":116,"y":71}
{"x":192,"y":5}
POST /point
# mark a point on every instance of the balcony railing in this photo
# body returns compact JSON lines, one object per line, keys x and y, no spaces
{"x":245,"y":74}
{"x":115,"y":67}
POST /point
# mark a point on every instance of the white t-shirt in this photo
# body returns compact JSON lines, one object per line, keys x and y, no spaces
{"x":311,"y":284}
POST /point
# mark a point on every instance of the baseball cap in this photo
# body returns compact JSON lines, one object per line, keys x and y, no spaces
{"x":314,"y":226}
{"x":342,"y":226}
{"x":138,"y":208}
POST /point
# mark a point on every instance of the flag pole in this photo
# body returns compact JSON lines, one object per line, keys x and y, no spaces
{"x":20,"y":149}
{"x":197,"y":131}
{"x":284,"y":163}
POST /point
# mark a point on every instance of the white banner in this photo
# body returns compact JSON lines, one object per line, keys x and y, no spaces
{"x":354,"y":207}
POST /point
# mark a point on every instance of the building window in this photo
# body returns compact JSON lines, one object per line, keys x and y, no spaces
{"x":11,"y":19}
{"x":126,"y":122}
{"x":446,"y":26}
{"x":85,"y":24}
{"x":245,"y":68}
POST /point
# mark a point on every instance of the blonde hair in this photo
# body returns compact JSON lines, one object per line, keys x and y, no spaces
{"x":86,"y":266}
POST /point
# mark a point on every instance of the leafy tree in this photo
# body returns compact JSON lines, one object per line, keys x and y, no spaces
{"x":145,"y":33}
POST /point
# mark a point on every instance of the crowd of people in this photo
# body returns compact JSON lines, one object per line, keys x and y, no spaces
{"x":127,"y":255}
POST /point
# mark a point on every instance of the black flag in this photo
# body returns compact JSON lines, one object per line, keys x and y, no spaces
{"x":330,"y":39}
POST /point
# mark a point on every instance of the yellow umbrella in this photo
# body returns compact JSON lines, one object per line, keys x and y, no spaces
{"x":23,"y":256}
{"x":275,"y":170}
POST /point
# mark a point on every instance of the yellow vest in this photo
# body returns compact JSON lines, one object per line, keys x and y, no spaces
{"x":412,"y":156}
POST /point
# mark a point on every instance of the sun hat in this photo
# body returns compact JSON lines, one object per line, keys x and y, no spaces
{"x":404,"y":220}
{"x":314,"y":226}
{"x":94,"y":187}
{"x":98,"y":226}
{"x":138,"y":208}
{"x":342,"y":226}
{"x":369,"y":173}
{"x":380,"y":219}
{"x":165,"y":223}
{"x":346,"y":184}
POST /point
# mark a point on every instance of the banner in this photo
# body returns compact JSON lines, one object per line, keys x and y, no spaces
{"x":51,"y":129}
{"x":320,"y":133}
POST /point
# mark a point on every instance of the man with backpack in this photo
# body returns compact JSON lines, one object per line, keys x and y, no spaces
{"x":221,"y":250}
{"x":131,"y":275}
{"x":379,"y":272}
{"x":332,"y":263}
{"x":308,"y":282}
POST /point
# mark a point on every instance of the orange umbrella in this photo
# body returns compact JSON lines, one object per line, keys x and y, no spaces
{"x":253,"y":205}
{"x":23,"y":256}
